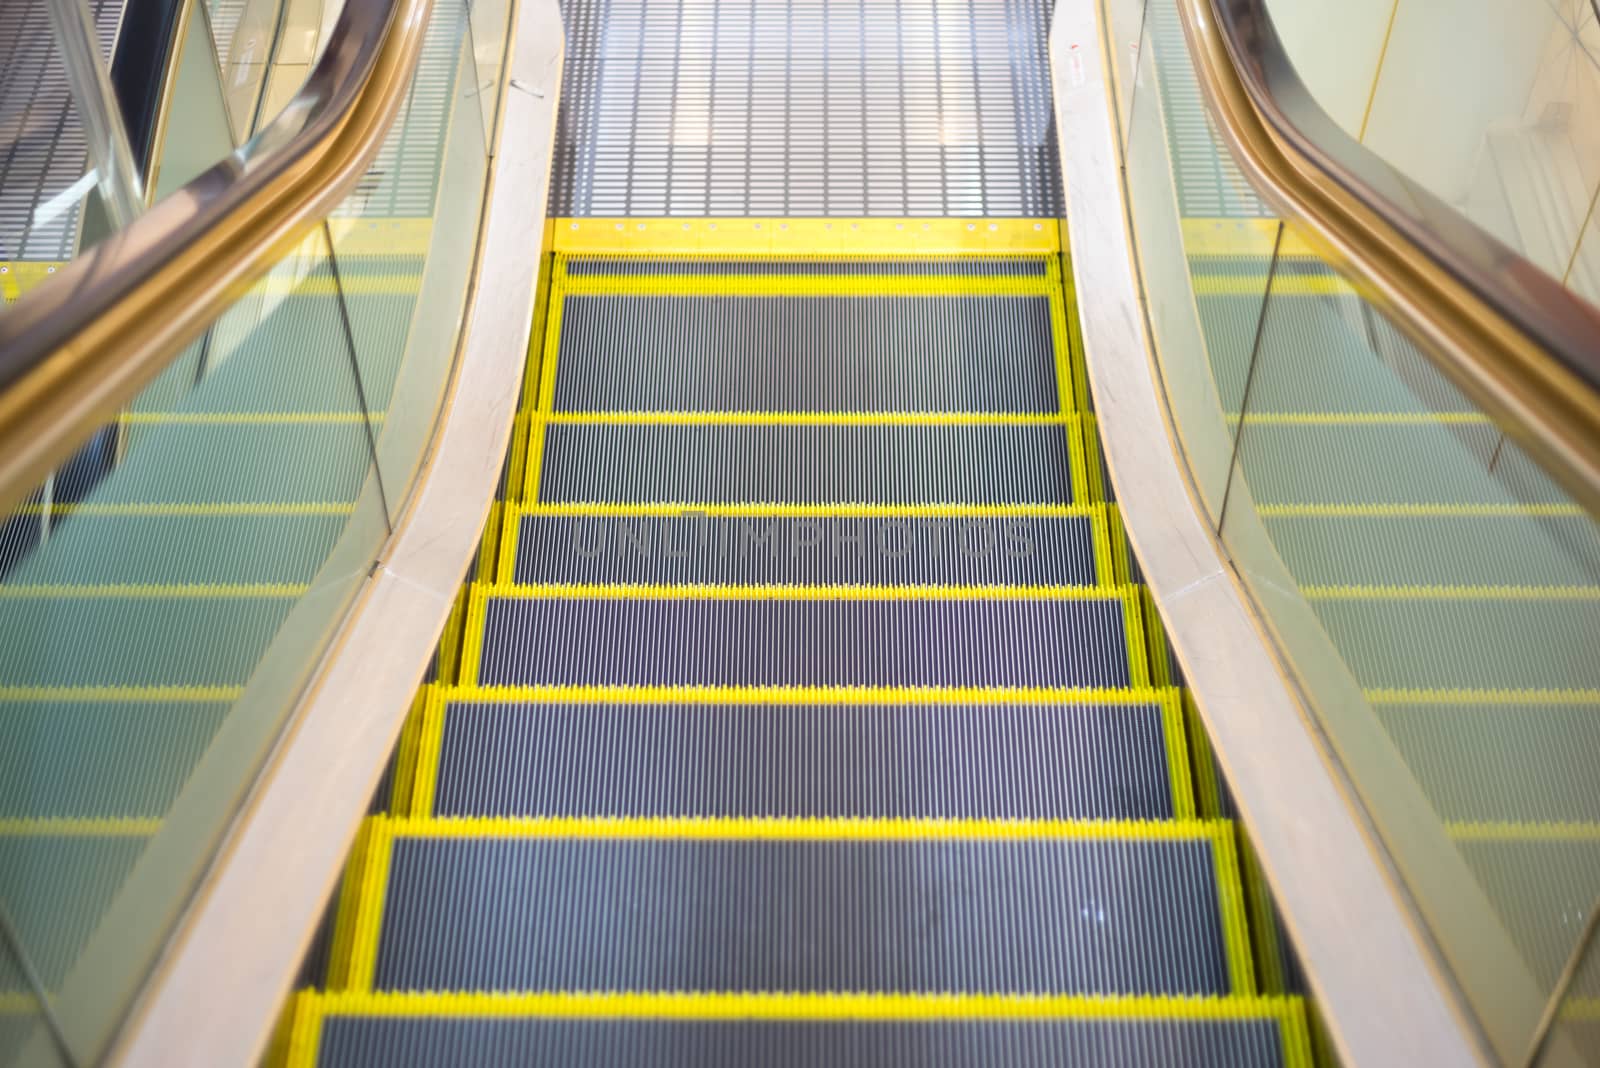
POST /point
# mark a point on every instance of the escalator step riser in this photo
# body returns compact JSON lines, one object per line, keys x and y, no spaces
{"x":806,"y":354}
{"x":371,"y":1042}
{"x":1011,"y":761}
{"x":806,"y":464}
{"x":1049,"y":643}
{"x":1043,"y":916}
{"x":825,"y":551}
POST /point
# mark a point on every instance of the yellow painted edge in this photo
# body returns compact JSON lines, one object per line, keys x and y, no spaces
{"x":808,"y":511}
{"x":263,"y":591}
{"x":450,"y":641}
{"x":430,"y":744}
{"x":1119,"y":544}
{"x":1292,"y":1032}
{"x":1254,"y":238}
{"x":1077,"y":462}
{"x":1094,"y":464}
{"x":1075,"y":349}
{"x":1362,"y":419}
{"x":1177,"y":748}
{"x":534,"y":466}
{"x":1133,"y":629}
{"x":1208,"y":795}
{"x":181,"y":510}
{"x":1105,"y":569}
{"x":784,"y":828}
{"x":751,"y":1005}
{"x":405,"y":761}
{"x":747,"y":695}
{"x":1269,"y":954}
{"x":1416,"y":511}
{"x":533,"y":367}
{"x":699,"y":592}
{"x":488,"y":561}
{"x":305,"y":1034}
{"x":776,"y":236}
{"x":1155,"y":639}
{"x":1061,"y":340}
{"x":1230,"y":896}
{"x":119,"y":694}
{"x":369,"y":909}
{"x":777,"y":418}
{"x":838,"y":286}
{"x":472,"y":647}
{"x":247,"y":418}
{"x":1483,"y":697}
{"x":1522,"y":831}
{"x":69,"y":827}
{"x":1253,"y":285}
{"x":517,"y":467}
{"x":510,"y":542}
{"x":352,"y":888}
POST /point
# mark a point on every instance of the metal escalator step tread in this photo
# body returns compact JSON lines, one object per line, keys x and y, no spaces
{"x":1509,"y":549}
{"x":806,"y":354}
{"x":896,"y":464}
{"x":1097,"y":915}
{"x":190,"y":549}
{"x":930,"y":761}
{"x":1355,"y":465}
{"x":979,"y":642}
{"x":118,"y":641}
{"x":1440,"y":643}
{"x":400,"y":1031}
{"x":86,"y":759}
{"x":825,"y":551}
{"x":56,"y":882}
{"x":1516,"y":760}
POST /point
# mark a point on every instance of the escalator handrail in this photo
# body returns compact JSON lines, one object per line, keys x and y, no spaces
{"x":1519,"y":344}
{"x":75,"y":351}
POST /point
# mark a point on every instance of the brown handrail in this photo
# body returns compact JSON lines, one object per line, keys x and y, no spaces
{"x":78,"y":349}
{"x":1518,"y":344}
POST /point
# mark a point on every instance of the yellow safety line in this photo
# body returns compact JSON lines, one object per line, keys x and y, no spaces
{"x":472,"y":646}
{"x":1362,"y":418}
{"x":1209,"y":795}
{"x":820,"y":829}
{"x":191,"y":510}
{"x":1451,"y":593}
{"x":1155,"y":639}
{"x":1417,"y":511}
{"x":1105,"y":568}
{"x":1522,"y":831}
{"x":68,"y":827}
{"x":1118,"y":535}
{"x":1230,"y":897}
{"x":1482,"y":697}
{"x":1269,"y":955}
{"x":257,"y":591}
{"x":1580,"y":1008}
{"x":1133,"y":634}
{"x":370,"y":895}
{"x":1242,"y":238}
{"x":517,"y":467}
{"x":1093,"y":463}
{"x":791,"y":695}
{"x":245,"y":418}
{"x":490,"y":548}
{"x":785,"y":418}
{"x":430,"y":739}
{"x":352,"y":886}
{"x":532,"y":370}
{"x":119,"y":694}
{"x":405,"y":760}
{"x":1254,"y":285}
{"x":708,"y":592}
{"x":534,"y":467}
{"x":751,"y":1005}
{"x":1078,"y":468}
{"x":1067,"y":396}
{"x":711,"y":238}
{"x":552,"y":339}
{"x":1177,"y":749}
{"x":836,"y":286}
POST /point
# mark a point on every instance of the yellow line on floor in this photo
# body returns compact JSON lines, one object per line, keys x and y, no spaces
{"x":79,"y":828}
{"x":776,"y":236}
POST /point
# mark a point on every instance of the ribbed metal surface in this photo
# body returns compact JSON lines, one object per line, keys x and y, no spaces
{"x":354,"y":1042}
{"x":826,"y":551}
{"x":1013,"y":761}
{"x":892,"y":464}
{"x":1543,"y":886}
{"x":81,"y":760}
{"x":806,"y":107}
{"x":693,"y":642}
{"x":840,"y":354}
{"x":1038,"y":916}
{"x":43,"y":150}
{"x":55,"y":888}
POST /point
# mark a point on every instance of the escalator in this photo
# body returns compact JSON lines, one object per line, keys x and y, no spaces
{"x":802,"y":712}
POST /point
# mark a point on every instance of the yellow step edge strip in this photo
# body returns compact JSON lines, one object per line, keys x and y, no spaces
{"x":1451,"y":593}
{"x":1523,"y":831}
{"x":1069,"y":397}
{"x":245,"y":418}
{"x":1235,"y":921}
{"x":263,"y":591}
{"x":834,"y":286}
{"x":1173,"y":736}
{"x":1283,"y":285}
{"x":1482,"y":697}
{"x":775,"y":418}
{"x":759,"y":510}
{"x":717,"y":236}
{"x":1417,"y":511}
{"x":192,"y":509}
{"x":1362,"y":419}
{"x":1242,"y":237}
{"x":68,"y":827}
{"x":119,"y":694}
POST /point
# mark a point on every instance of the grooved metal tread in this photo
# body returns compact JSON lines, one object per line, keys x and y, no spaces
{"x":977,"y":642}
{"x":820,"y":551}
{"x":1035,"y":760}
{"x":1101,"y":915}
{"x":737,"y":463}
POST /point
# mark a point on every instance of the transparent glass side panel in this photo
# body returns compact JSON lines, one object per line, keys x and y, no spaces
{"x":1457,"y":587}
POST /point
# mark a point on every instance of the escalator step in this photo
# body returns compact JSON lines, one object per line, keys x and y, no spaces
{"x":55,"y":638}
{"x":824,"y":551}
{"x":806,"y":354}
{"x":80,"y":758}
{"x":807,"y":464}
{"x":1064,"y":643}
{"x":929,"y":761}
{"x":413,"y":1032}
{"x":1107,"y":911}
